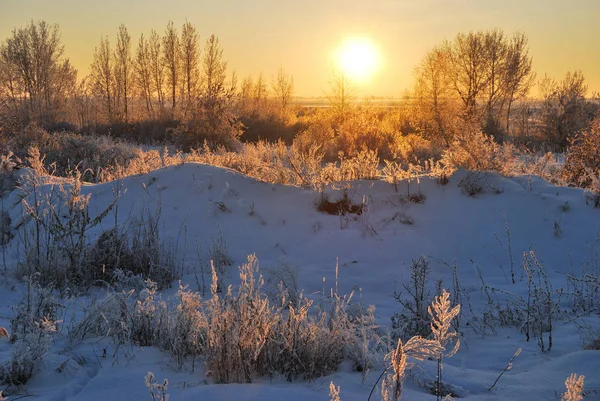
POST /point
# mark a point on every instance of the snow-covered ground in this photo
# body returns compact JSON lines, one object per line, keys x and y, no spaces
{"x":281,"y":225}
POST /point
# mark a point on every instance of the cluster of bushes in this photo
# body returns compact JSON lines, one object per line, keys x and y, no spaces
{"x":239,"y":335}
{"x":56,"y":244}
{"x":314,"y":159}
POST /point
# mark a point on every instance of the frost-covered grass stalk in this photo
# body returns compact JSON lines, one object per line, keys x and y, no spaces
{"x":334,"y":392}
{"x":574,"y":385}
{"x":158,"y":391}
{"x":442,"y":315}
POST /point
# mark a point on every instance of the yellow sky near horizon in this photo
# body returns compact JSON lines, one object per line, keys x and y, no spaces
{"x":303,"y":36}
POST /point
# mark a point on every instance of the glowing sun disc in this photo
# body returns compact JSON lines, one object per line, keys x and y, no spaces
{"x":359,"y":58}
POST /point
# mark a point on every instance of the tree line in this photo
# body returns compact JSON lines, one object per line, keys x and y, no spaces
{"x":478,"y":77}
{"x":474,"y":81}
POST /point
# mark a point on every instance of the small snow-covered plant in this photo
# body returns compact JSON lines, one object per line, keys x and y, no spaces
{"x":442,"y":315}
{"x":28,"y":353}
{"x":541,"y":307}
{"x":33,"y":327}
{"x":219,"y":255}
{"x":185,"y":327}
{"x":393,"y":173}
{"x":238,"y":327}
{"x":281,"y":283}
{"x":585,"y":285}
{"x":364,"y":220}
{"x":59,"y":234}
{"x":439,"y":171}
{"x":414,"y":173}
{"x":144,"y":316}
{"x":574,"y":385}
{"x":362,"y":166}
{"x":334,"y":392}
{"x":109,"y":317}
{"x":593,"y":189}
{"x":507,"y":368}
{"x":413,"y":320}
{"x":158,"y":391}
{"x":474,"y":183}
{"x":38,"y":304}
{"x":391,"y":386}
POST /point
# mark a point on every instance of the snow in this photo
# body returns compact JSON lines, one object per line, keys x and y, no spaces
{"x":280,"y":224}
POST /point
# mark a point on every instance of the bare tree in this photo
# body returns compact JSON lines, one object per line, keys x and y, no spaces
{"x":217,"y":123}
{"x":469,"y":72}
{"x":36,"y":76}
{"x":123,"y":69}
{"x":102,"y":77}
{"x":190,"y":60}
{"x":157,"y":69}
{"x":496,"y":50}
{"x":518,"y":74}
{"x":143,"y":73}
{"x":282,"y":86}
{"x":487,"y":72}
{"x":341,"y":92}
{"x":261,"y":92}
{"x":171,"y":59}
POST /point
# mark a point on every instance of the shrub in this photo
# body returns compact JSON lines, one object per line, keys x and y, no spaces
{"x":55,"y":239}
{"x":478,"y":152}
{"x":583,"y":157}
{"x":64,"y":152}
{"x":33,"y":327}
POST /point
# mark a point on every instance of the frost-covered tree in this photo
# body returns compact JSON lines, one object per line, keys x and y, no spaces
{"x":565,"y":109}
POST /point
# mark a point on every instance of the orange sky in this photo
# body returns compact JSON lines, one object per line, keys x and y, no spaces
{"x":302,"y":35}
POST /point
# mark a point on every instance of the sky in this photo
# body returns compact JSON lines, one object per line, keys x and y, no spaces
{"x":302,"y":35}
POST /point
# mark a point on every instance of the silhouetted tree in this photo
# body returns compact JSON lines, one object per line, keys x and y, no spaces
{"x":518,"y":73}
{"x":190,"y":63}
{"x":102,"y":77}
{"x":123,"y":71}
{"x":157,"y":69}
{"x":171,"y":59}
{"x":143,"y":74}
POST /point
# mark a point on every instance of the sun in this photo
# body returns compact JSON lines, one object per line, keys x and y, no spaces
{"x":359,"y":58}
